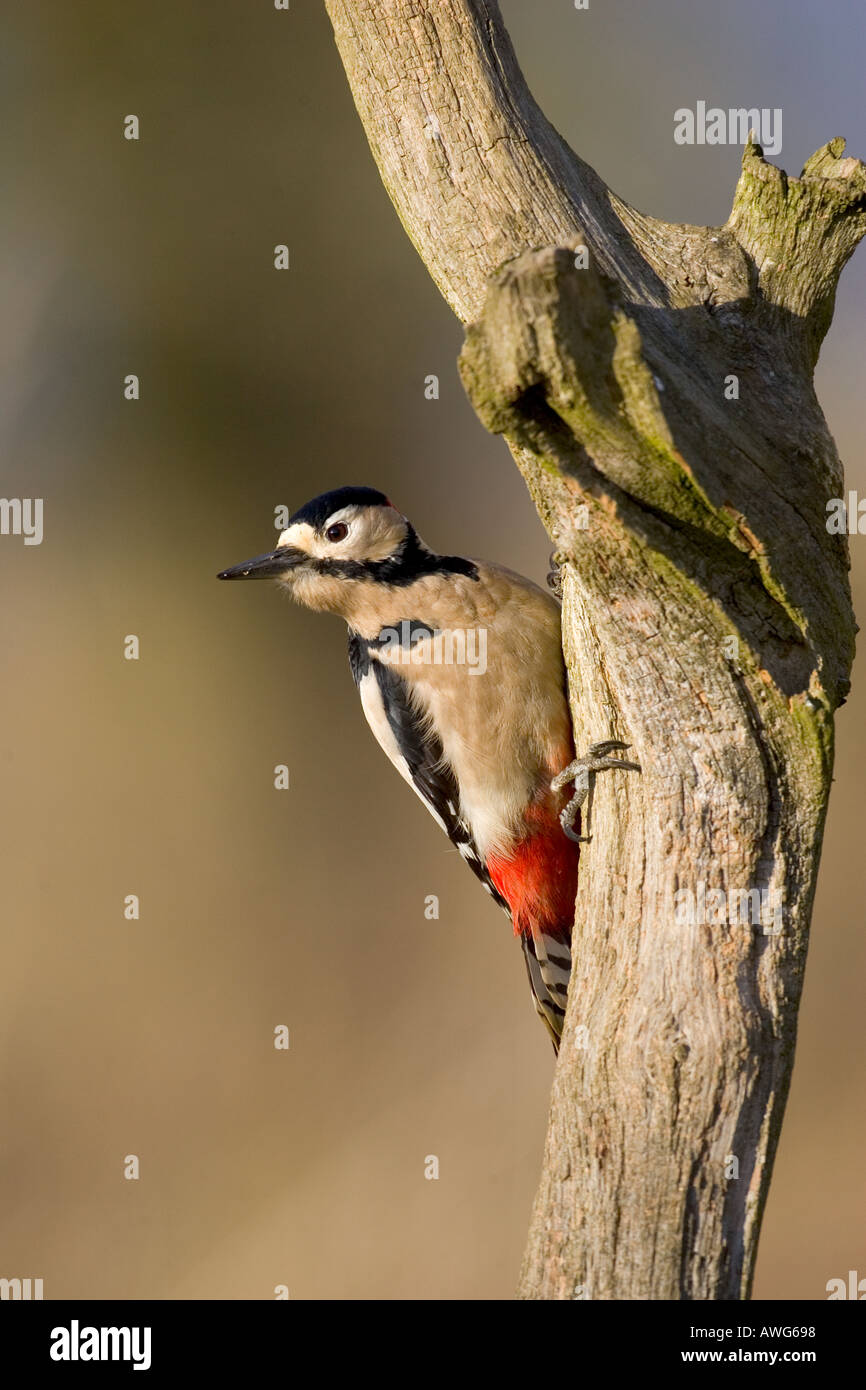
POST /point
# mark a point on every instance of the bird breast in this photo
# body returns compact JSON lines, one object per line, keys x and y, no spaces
{"x":485,"y":676}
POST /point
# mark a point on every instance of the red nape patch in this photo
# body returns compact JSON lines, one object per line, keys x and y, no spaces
{"x":538,"y":879}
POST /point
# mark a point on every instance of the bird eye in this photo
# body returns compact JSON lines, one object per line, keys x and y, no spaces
{"x":338,"y":532}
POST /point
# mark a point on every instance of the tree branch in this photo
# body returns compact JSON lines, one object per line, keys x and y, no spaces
{"x":657,"y":396}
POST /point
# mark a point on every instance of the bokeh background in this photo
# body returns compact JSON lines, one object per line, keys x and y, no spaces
{"x":305,"y":907}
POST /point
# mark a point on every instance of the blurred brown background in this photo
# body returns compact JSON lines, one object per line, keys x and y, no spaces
{"x":409,"y":1037}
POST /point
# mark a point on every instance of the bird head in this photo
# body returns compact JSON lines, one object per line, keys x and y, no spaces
{"x":337,"y":541}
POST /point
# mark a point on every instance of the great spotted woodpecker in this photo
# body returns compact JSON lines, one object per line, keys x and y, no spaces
{"x":460,"y":671}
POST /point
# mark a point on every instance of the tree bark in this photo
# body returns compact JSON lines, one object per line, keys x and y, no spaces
{"x":707,"y":618}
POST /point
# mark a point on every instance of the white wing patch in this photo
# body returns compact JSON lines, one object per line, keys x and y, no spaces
{"x":374,"y":711}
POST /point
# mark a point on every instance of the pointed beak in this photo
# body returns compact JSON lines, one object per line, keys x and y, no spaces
{"x":270,"y":566}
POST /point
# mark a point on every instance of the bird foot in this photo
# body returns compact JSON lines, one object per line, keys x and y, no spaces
{"x":554,"y":577}
{"x":582,"y":774}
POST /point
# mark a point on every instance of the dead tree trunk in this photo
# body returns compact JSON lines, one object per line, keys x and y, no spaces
{"x":707,"y":617}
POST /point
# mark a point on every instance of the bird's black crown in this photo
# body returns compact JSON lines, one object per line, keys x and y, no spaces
{"x":316,"y":512}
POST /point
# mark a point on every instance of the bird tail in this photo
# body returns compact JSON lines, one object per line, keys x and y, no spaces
{"x":548,"y":965}
{"x":537,"y":879}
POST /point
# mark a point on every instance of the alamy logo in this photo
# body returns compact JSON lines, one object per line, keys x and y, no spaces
{"x":715,"y":126}
{"x":76,"y":1343}
{"x":21,"y":1289}
{"x":415,"y":644}
{"x":846,"y":517}
{"x":855,"y":1288}
{"x":714,"y":907}
{"x":22,"y":516}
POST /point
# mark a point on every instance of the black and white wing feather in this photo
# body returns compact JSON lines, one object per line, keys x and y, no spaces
{"x":414,"y":749}
{"x":416,"y":752}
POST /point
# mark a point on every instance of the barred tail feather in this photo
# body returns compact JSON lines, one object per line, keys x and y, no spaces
{"x":548,"y":964}
{"x":538,"y":881}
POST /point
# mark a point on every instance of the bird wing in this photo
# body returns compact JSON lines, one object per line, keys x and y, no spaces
{"x":413,"y":747}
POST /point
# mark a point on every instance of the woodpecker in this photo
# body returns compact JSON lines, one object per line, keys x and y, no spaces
{"x":460,"y":672}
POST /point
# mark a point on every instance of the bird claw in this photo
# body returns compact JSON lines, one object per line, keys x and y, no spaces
{"x":554,"y":578}
{"x":582,"y":774}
